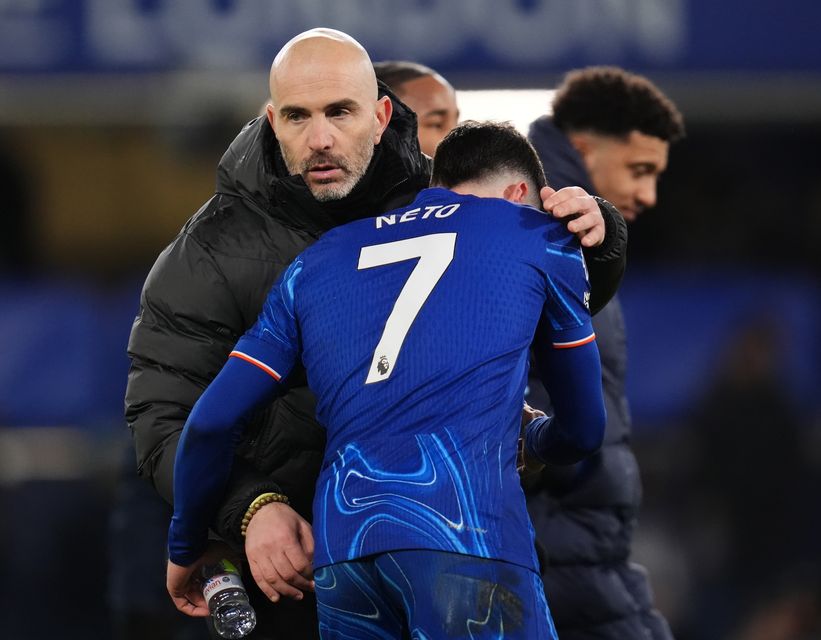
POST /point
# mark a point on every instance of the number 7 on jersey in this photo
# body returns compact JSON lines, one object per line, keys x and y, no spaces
{"x":435,"y":253}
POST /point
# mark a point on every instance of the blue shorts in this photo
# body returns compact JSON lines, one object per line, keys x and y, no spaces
{"x":426,"y":595}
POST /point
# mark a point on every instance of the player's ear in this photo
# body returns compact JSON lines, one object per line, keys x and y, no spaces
{"x":384,"y":110}
{"x":516,"y":192}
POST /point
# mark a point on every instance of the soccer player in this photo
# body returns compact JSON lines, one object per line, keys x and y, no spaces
{"x":414,"y":328}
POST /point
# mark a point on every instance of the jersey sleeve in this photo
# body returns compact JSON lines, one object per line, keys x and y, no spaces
{"x":568,"y":361}
{"x":249,"y":380}
{"x":273,"y":344}
{"x":572,"y":377}
{"x":566,"y":312}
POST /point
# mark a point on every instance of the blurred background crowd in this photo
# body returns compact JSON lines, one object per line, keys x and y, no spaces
{"x":114,"y":113}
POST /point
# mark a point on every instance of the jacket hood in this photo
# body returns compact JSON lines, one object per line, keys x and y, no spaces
{"x":566,"y":167}
{"x":253,"y":169}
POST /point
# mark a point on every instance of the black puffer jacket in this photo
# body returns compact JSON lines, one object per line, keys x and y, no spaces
{"x":584,"y":516}
{"x":206,"y":289}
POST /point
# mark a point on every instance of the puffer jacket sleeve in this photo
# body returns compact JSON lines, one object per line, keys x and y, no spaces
{"x":607,"y":262}
{"x":187,"y":324}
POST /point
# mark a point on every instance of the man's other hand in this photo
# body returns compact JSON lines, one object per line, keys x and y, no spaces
{"x":525,"y":463}
{"x":279,"y":544}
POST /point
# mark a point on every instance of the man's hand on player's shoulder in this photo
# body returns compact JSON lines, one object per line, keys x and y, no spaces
{"x":579,"y":209}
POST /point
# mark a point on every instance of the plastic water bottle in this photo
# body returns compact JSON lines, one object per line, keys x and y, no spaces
{"x":227,"y":600}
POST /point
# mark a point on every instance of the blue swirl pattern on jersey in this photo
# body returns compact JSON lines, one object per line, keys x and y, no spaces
{"x":435,"y":502}
{"x":422,"y":454}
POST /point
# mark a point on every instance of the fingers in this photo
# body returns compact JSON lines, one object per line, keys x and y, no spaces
{"x":577,"y":205}
{"x":581,"y":211}
{"x":279,"y":545}
{"x":545,"y":193}
{"x":307,"y":539}
{"x":566,"y":201}
{"x":262,"y":582}
{"x":588,"y":228}
{"x":300,"y":569}
{"x":529,"y":414}
{"x":190,"y":605}
{"x":185,"y":591}
{"x":532,"y":411}
{"x":282,"y":574}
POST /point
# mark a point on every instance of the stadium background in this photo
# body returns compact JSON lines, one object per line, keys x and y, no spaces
{"x":113,"y":114}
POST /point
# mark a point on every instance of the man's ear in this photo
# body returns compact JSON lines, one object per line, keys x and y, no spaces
{"x":384,"y":111}
{"x":269,"y":113}
{"x":516,"y":192}
{"x":582,"y":142}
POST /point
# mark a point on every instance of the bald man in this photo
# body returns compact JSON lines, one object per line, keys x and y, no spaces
{"x":325,"y":113}
{"x":332,"y":148}
{"x":340,"y":152}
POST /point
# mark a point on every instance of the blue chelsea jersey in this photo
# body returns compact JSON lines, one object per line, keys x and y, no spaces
{"x":414,"y":329}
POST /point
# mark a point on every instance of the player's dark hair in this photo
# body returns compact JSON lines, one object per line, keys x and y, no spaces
{"x":395,"y":73}
{"x":612,"y":101}
{"x":476,"y":150}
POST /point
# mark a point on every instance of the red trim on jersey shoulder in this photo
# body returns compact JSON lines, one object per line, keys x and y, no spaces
{"x":574,"y":343}
{"x":256,"y":363}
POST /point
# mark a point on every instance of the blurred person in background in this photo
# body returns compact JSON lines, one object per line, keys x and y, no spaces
{"x":429,"y":95}
{"x":758,"y":573}
{"x":610,"y":133}
{"x":340,"y":152}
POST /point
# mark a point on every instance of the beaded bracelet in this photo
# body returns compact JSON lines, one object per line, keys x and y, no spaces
{"x":259,"y":502}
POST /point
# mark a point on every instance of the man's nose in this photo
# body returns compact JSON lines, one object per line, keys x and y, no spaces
{"x":647,"y":194}
{"x":320,"y":135}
